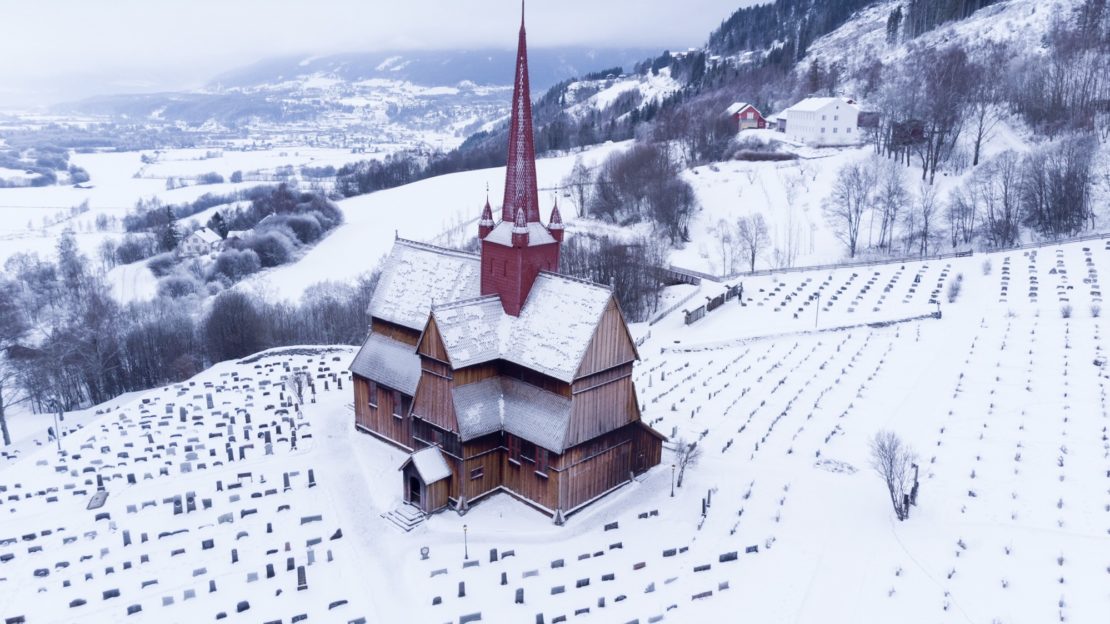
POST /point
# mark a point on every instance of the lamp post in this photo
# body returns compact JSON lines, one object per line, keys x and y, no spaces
{"x":817,"y":313}
{"x":672,"y":480}
{"x":466,"y":548}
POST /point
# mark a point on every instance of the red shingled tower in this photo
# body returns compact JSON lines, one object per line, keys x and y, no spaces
{"x":519,"y":247}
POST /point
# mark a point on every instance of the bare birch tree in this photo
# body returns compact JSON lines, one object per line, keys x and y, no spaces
{"x":893,"y":460}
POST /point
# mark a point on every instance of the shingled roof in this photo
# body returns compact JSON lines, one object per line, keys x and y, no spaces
{"x":415,"y":275}
{"x":551,"y":334}
{"x":388,"y":362}
{"x":524,"y":410}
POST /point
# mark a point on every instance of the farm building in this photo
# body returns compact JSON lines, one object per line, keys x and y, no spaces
{"x":497,"y":373}
{"x":201,"y":242}
{"x":745,"y":116}
{"x":823,"y":121}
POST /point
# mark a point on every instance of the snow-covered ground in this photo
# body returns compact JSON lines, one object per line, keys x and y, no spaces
{"x":420,"y":211}
{"x":1003,"y":398}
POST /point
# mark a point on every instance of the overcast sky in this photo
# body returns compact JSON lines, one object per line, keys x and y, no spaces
{"x":53,"y":48}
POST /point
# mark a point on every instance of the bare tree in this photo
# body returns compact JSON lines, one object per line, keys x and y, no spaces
{"x":13,"y":326}
{"x":579,"y":182}
{"x":754,"y":239}
{"x":851,"y":197}
{"x":922,"y":220}
{"x":890,"y":196}
{"x":727,"y":246}
{"x":686,"y":454}
{"x":894,"y":461}
{"x":295,"y":383}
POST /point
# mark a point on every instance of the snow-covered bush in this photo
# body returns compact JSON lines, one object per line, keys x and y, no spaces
{"x":954,"y":287}
{"x":236,"y":264}
{"x":178,"y":285}
{"x":162,"y":264}
{"x":1096,"y":310}
{"x":274,"y":246}
{"x":1065,"y":310}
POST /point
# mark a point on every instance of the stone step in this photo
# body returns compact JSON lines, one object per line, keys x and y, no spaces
{"x":406,"y":517}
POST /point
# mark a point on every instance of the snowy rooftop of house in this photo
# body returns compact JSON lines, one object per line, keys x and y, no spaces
{"x":551,"y":334}
{"x":207,"y":235}
{"x":388,"y":362}
{"x":524,"y":410}
{"x":429,"y":464}
{"x":737,"y":107}
{"x":503,"y":234}
{"x":415,"y":275}
{"x":239,"y":233}
{"x":812,"y":104}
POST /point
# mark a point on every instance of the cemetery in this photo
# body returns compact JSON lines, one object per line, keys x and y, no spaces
{"x":232,"y":495}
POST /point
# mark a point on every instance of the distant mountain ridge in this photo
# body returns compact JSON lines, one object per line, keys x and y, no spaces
{"x":547,"y":66}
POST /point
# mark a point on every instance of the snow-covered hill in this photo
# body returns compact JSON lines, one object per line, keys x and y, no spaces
{"x":781,"y":518}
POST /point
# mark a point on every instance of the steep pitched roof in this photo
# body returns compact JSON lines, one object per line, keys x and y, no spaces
{"x":388,"y":362}
{"x":814,"y":104}
{"x":206,"y":235}
{"x":739,"y":106}
{"x":550,"y":335}
{"x":415,"y":275}
{"x":429,"y":464}
{"x":524,"y":410}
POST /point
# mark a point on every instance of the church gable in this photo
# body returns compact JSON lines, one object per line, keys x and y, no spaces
{"x":431,"y":342}
{"x":611,"y":344}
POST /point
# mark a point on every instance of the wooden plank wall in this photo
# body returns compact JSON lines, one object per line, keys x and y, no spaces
{"x":431,"y":344}
{"x":603,"y":408}
{"x":433,"y":395}
{"x":380,"y":419}
{"x":484,"y":453}
{"x":395,"y":331}
{"x":522,"y":478}
{"x":611,"y":344}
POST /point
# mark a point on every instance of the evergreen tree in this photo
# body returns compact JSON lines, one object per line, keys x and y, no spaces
{"x":170,"y":236}
{"x":218,"y":225}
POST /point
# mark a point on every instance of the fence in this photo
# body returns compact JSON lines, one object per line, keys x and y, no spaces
{"x":681,"y":302}
{"x":892,"y":260}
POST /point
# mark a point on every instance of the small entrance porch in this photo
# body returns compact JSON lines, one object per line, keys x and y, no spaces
{"x":426,"y":478}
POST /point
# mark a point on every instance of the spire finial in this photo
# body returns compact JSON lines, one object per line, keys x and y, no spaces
{"x":522,"y":13}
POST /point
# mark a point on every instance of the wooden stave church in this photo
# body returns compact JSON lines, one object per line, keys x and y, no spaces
{"x":496,"y":372}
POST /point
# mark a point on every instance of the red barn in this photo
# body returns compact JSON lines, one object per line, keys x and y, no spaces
{"x":497,"y":373}
{"x":745,"y":116}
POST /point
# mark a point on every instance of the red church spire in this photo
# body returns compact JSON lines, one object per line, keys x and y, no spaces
{"x":521,"y":191}
{"x":485,"y":224}
{"x":555,"y":223}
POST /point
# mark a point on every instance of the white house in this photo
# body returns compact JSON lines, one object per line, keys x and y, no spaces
{"x":200,"y":243}
{"x":823,"y":121}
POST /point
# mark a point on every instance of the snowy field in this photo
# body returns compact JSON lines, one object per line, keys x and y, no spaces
{"x":1002,"y":398}
{"x":423,"y":211}
{"x":120,"y":179}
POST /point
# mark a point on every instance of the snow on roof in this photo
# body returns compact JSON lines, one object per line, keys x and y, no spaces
{"x":430,"y":464}
{"x":415,"y":275}
{"x":388,"y":362}
{"x":206,"y":235}
{"x":503,"y":234}
{"x":239,"y":233}
{"x":524,"y":410}
{"x":812,"y":104}
{"x":737,"y":107}
{"x":470,"y":329}
{"x":551,"y":334}
{"x":555,"y":325}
